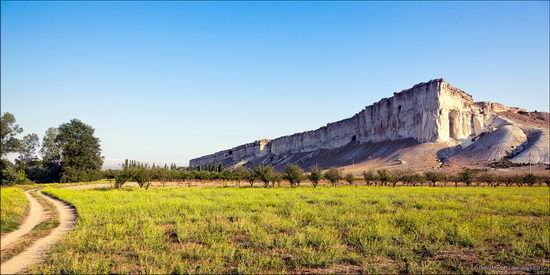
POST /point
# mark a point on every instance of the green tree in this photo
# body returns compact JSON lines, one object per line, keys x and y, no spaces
{"x":529,"y":179}
{"x":434,"y":177}
{"x":9,"y":131}
{"x":264,"y":173}
{"x":315,"y":175}
{"x":466,"y":177}
{"x":487,"y":178}
{"x":81,"y":158}
{"x":276,"y":179}
{"x":294,"y":174}
{"x":50,"y":150}
{"x":27,"y":151}
{"x":349,"y":178}
{"x":333,"y":175}
{"x":384,"y":176}
{"x":369,"y":177}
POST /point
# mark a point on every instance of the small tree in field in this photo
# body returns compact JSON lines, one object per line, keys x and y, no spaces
{"x":250,"y":177}
{"x":142,"y":177}
{"x":529,"y":179}
{"x":239,"y":174}
{"x":487,"y":178}
{"x":333,"y":175}
{"x":349,"y":178}
{"x":434,"y":177}
{"x":384,"y":176}
{"x":369,"y":177}
{"x":264,"y":173}
{"x":466,"y":177}
{"x":315,"y":175}
{"x":276,"y":179}
{"x":294,"y":174}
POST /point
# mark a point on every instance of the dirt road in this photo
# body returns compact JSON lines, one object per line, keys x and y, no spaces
{"x":34,"y":253}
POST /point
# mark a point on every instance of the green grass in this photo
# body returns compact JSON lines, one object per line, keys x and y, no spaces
{"x":13,"y":205}
{"x":281,"y":230}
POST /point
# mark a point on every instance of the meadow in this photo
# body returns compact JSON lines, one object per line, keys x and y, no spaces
{"x":12,"y":208}
{"x":289,"y":230}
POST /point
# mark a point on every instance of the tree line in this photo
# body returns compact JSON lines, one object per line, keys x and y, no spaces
{"x":68,"y":153}
{"x":294,"y":175}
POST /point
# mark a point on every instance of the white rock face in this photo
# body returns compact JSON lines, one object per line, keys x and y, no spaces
{"x":431,"y":112}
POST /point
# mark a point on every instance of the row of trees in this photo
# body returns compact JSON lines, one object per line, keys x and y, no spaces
{"x":69,"y":153}
{"x":144,"y":174}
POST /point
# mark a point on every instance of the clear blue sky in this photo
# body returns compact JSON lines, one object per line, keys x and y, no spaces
{"x":174,"y":80}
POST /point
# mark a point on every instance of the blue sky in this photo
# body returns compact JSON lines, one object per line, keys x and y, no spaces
{"x":169,"y":81}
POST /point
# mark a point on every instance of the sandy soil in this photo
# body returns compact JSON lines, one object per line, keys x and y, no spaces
{"x":35,"y":216}
{"x":34,"y":253}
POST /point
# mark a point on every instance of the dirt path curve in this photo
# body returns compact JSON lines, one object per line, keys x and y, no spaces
{"x":35,"y":216}
{"x":33,"y":254}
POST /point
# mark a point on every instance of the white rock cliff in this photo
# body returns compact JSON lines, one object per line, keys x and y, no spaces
{"x":431,"y":112}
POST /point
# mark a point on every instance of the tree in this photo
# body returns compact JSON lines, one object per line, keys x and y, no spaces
{"x":384,"y":176}
{"x":466,"y":177}
{"x":81,"y":158}
{"x":349,"y":178}
{"x":8,"y":174}
{"x":294,"y":174}
{"x":27,"y":150}
{"x":488,"y":178}
{"x":264,"y":173}
{"x":239,"y":174}
{"x":276,"y":179}
{"x":369,"y":177}
{"x":434,"y":177}
{"x":315,"y":175}
{"x":529,"y":179}
{"x":333,"y":175}
{"x":50,"y":151}
{"x":8,"y":134}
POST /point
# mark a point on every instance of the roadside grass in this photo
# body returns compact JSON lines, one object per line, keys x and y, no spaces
{"x":39,"y":231}
{"x":13,"y":205}
{"x":296,"y":230}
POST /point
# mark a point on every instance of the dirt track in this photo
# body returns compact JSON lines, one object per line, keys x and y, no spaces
{"x":34,"y":253}
{"x":34,"y":217}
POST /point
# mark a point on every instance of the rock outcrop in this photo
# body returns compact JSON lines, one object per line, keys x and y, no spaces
{"x":431,"y":112}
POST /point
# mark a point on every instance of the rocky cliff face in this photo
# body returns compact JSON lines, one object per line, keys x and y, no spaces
{"x":431,"y":112}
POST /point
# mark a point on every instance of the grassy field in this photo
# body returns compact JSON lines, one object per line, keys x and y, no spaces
{"x":252,"y":230}
{"x":12,"y":205}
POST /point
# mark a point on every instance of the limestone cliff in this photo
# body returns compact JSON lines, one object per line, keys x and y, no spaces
{"x":431,"y":112}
